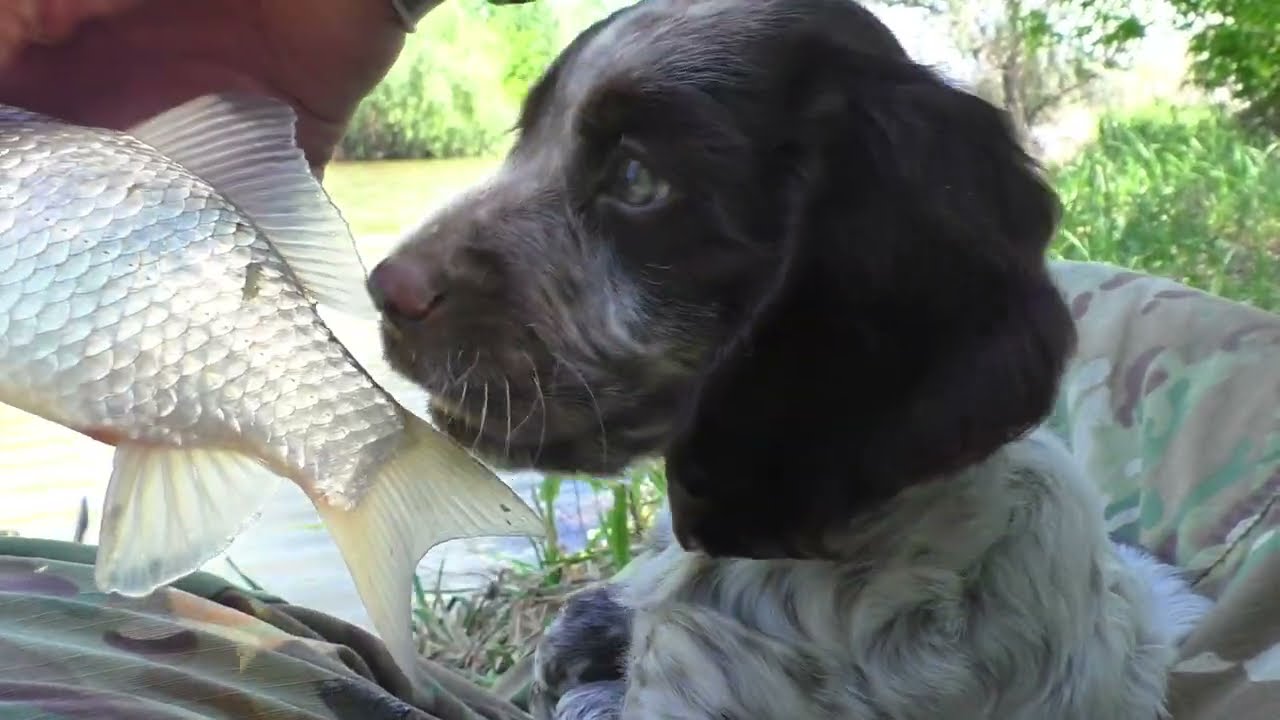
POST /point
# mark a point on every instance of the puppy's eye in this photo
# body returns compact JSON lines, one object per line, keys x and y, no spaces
{"x":636,"y":185}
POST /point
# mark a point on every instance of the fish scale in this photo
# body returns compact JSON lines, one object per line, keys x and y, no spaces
{"x":172,"y":339}
{"x":161,"y":291}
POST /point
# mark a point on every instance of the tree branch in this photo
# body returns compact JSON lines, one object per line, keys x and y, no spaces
{"x":1048,"y":100}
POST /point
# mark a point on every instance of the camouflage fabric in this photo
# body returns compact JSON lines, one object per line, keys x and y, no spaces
{"x":199,"y":649}
{"x":1173,"y":404}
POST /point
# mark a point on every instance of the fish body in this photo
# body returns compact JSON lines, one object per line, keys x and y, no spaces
{"x":161,"y":290}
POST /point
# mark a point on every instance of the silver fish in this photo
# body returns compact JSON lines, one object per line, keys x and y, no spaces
{"x":161,"y":290}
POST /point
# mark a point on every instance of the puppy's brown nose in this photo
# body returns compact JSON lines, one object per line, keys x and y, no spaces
{"x":401,"y":289}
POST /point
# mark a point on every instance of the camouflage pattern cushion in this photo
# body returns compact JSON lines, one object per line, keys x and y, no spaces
{"x":1173,"y":404}
{"x":200,"y":649}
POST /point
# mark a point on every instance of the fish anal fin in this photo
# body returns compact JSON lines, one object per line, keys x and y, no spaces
{"x":168,"y":510}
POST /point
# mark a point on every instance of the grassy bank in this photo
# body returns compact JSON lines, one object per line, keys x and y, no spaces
{"x":487,"y":633}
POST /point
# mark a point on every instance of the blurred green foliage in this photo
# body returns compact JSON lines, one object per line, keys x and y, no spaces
{"x":456,"y":88}
{"x":1182,"y":192}
{"x":1236,"y":46}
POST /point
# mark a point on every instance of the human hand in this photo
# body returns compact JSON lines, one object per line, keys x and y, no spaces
{"x":113,"y":63}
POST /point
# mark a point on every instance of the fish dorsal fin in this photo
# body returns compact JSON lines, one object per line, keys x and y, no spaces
{"x":245,"y":147}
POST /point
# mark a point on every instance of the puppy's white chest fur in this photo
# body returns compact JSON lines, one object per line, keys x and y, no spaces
{"x":993,"y":594}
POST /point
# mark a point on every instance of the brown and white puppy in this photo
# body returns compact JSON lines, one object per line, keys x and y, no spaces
{"x":755,"y":238}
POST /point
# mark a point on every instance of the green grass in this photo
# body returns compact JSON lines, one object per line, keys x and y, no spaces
{"x":488,"y":633}
{"x":1179,"y":192}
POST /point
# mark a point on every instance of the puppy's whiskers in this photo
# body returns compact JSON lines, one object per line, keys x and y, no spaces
{"x":537,"y":386}
{"x":604,"y":437}
{"x":484,"y":412}
{"x":506,"y":444}
{"x":472,"y":366}
{"x":542,"y":431}
{"x":542,"y":402}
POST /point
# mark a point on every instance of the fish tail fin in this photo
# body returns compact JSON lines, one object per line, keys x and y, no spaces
{"x":430,"y":492}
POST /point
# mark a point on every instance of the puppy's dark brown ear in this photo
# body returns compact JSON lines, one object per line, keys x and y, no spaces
{"x":912,"y":327}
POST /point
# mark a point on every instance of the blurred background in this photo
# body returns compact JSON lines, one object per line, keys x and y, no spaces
{"x":1158,"y":120}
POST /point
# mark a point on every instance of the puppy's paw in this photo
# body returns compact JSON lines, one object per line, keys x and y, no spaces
{"x":587,"y":643}
{"x":593,"y":701}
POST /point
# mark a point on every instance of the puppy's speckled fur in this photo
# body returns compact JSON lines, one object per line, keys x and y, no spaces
{"x":991,"y":594}
{"x":839,"y":330}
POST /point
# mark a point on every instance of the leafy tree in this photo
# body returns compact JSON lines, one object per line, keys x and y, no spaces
{"x":456,"y":87}
{"x":1033,"y":56}
{"x":1236,"y":46}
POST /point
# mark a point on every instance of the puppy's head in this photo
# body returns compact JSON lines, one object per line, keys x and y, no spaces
{"x":753,"y":236}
